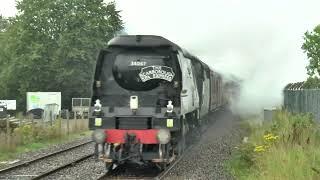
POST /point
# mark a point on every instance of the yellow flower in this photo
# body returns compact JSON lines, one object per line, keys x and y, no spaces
{"x":267,"y":136}
{"x":270,"y":137}
{"x":259,"y":149}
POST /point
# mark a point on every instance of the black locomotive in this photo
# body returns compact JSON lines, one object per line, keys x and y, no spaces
{"x":148,"y":93}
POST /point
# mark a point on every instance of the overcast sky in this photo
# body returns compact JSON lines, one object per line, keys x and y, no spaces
{"x":259,"y":41}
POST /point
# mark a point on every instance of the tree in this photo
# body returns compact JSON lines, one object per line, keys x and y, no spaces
{"x":4,"y":23}
{"x":312,"y":83}
{"x":5,"y":55}
{"x":52,"y":46}
{"x":311,"y":46}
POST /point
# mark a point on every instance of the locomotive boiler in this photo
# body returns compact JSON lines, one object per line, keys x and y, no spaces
{"x":148,"y":94}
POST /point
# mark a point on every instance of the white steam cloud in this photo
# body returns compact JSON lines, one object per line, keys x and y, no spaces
{"x":258,"y":41}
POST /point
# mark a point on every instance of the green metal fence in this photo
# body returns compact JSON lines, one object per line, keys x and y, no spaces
{"x":303,"y":101}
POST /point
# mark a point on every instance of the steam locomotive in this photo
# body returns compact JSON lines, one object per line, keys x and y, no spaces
{"x":148,"y":94}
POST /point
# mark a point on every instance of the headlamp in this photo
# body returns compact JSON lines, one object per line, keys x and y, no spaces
{"x":169,"y":107}
{"x":99,"y":136}
{"x":97,"y":106}
{"x":134,"y":103}
{"x":163,"y":136}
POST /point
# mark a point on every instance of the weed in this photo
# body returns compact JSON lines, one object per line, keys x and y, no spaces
{"x":32,"y":136}
{"x":286,"y":148}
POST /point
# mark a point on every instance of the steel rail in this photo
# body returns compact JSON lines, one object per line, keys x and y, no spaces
{"x":47,"y":173}
{"x":171,"y":166}
{"x":165,"y":172}
{"x":159,"y":176}
{"x":42,"y":157}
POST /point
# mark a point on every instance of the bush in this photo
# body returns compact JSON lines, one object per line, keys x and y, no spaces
{"x":286,"y":148}
{"x":33,"y":133}
{"x":312,"y":83}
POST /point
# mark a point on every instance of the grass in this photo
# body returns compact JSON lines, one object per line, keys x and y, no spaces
{"x":30,"y":137}
{"x":286,"y":148}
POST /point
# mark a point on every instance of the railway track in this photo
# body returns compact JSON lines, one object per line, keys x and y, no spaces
{"x":164,"y":173}
{"x":117,"y":173}
{"x":146,"y":173}
{"x":10,"y":171}
{"x":47,"y":173}
{"x":150,"y":173}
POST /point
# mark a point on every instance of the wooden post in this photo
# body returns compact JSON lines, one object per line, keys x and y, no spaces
{"x":32,"y":124}
{"x":20,"y":122}
{"x":42,"y":119}
{"x":68,"y":122}
{"x":60,"y":127}
{"x":82,"y":117}
{"x":51,"y":118}
{"x":8,"y":131}
{"x":59,"y":115}
{"x":75,"y":121}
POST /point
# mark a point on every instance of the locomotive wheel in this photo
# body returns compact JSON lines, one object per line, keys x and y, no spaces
{"x":182,"y":140}
{"x":197,"y":116}
{"x":162,"y":166}
{"x":108,"y":166}
{"x":199,"y":124}
{"x":167,"y":154}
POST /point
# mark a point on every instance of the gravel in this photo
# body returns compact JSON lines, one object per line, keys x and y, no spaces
{"x":204,"y":161}
{"x":27,"y":156}
{"x":48,"y":163}
{"x":207,"y":157}
{"x":88,"y":169}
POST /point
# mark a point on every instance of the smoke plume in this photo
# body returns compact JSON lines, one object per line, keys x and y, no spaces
{"x":257,"y":41}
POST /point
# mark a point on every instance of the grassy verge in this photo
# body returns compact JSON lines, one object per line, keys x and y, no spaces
{"x":31,"y":137}
{"x":286,"y":148}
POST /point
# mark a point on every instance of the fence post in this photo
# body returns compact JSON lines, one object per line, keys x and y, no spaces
{"x":32,"y":124}
{"x":8,"y":131}
{"x":20,"y":122}
{"x":81,"y":123}
{"x":60,"y":126}
{"x":75,"y":121}
{"x":51,"y":118}
{"x":68,"y":122}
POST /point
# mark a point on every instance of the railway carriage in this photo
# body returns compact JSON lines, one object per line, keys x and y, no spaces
{"x":148,"y":94}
